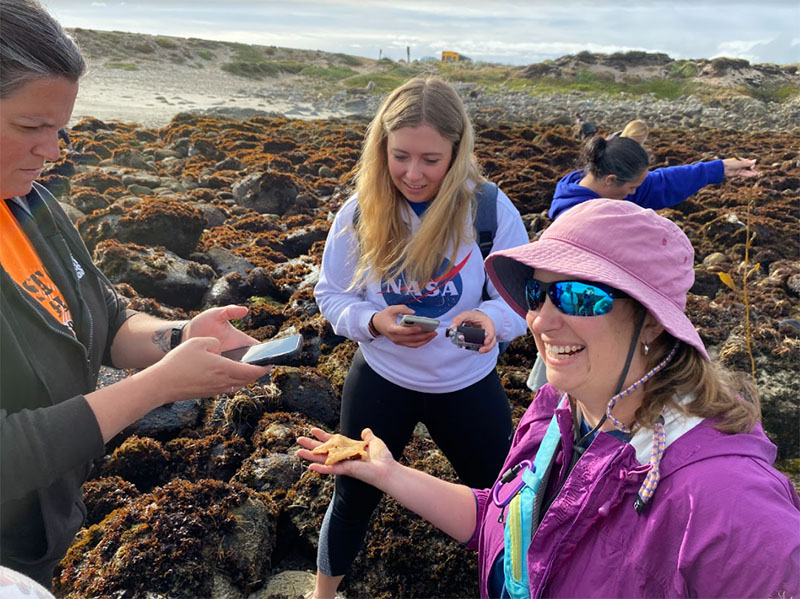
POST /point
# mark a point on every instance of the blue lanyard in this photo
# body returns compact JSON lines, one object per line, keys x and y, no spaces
{"x":519,"y":527}
{"x":544,"y":456}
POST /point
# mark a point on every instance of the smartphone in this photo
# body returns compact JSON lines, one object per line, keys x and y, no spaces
{"x":412,"y":320}
{"x":274,"y":351}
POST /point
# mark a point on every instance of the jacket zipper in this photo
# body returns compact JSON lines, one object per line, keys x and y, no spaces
{"x":546,"y":575}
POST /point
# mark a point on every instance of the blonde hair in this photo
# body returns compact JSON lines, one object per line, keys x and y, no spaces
{"x":717,"y":392}
{"x":386,"y":247}
{"x":637,"y":130}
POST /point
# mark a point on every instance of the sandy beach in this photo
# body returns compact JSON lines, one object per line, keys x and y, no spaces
{"x":152,"y":96}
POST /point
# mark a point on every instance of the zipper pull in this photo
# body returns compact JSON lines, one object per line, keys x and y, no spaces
{"x":502,"y":512}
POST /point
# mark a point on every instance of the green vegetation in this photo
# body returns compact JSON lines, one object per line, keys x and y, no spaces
{"x":723,"y":63}
{"x":328,"y":73}
{"x":250,"y":62}
{"x":165,"y":42}
{"x":393,"y":74}
{"x":125,"y":66}
{"x":348,"y":59}
{"x":772,"y":94}
{"x":289,"y":66}
{"x":262,"y":68}
{"x":682,"y":68}
{"x":251,"y":70}
{"x":245,"y":53}
{"x":585,"y":81}
{"x":144,"y":48}
{"x":488,"y":75}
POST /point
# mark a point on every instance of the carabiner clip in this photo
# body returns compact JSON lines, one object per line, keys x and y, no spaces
{"x":507,"y":477}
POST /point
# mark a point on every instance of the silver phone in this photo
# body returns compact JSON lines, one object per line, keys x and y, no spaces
{"x":274,"y":351}
{"x":412,"y":320}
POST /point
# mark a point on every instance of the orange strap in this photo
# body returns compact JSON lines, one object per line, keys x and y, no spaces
{"x":22,"y":263}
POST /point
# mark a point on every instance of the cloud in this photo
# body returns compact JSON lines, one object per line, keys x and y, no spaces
{"x":775,"y":50}
{"x":510,"y":31}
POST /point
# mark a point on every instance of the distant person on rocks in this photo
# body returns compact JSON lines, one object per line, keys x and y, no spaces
{"x":583,"y":128}
{"x":637,"y":130}
{"x":617,"y":169}
{"x":406,"y":244}
{"x":641,"y":469}
{"x":60,"y":318}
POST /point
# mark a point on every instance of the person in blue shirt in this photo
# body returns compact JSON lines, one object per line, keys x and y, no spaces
{"x":617,"y":169}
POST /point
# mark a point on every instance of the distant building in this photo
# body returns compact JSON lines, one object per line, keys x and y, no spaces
{"x":448,"y":56}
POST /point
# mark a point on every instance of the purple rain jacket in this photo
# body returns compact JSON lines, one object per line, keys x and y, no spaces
{"x":722,"y":522}
{"x":661,"y":187}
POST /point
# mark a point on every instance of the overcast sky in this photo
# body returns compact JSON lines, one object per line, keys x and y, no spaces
{"x":506,"y":32}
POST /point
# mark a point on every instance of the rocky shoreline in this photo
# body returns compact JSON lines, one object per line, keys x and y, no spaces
{"x":609,"y":113}
{"x":206,"y":498}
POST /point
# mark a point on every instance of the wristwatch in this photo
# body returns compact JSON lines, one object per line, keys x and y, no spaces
{"x":176,"y":336}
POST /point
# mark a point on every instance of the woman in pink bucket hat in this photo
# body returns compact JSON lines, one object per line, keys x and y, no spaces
{"x":641,"y":469}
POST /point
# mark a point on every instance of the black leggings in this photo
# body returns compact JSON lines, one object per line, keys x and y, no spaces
{"x":471,"y":426}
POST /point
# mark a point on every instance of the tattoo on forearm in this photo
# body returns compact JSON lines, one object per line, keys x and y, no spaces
{"x":161,"y":339}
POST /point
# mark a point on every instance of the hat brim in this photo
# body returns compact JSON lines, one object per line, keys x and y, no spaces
{"x":508,"y":270}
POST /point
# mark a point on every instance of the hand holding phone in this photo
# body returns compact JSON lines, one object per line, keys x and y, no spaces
{"x":412,"y":320}
{"x":274,"y":351}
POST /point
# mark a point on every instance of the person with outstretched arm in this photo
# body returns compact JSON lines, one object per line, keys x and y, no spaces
{"x":641,"y":469}
{"x":618,"y":169}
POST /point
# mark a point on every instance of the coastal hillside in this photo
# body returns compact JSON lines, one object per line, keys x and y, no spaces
{"x":130,"y":72}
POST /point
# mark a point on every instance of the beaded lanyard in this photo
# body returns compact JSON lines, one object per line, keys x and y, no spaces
{"x":659,"y":435}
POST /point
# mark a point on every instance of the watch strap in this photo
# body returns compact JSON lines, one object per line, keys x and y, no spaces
{"x":176,"y":335}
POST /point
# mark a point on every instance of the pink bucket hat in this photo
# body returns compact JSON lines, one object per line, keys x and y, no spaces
{"x":614,"y":242}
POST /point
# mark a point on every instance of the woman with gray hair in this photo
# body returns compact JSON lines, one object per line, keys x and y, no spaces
{"x":60,"y":318}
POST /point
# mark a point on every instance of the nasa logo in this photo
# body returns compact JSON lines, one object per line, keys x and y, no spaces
{"x":433,"y":299}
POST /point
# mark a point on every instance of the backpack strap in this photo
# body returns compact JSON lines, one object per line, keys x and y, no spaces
{"x":486,"y":227}
{"x":486,"y":224}
{"x":486,"y":217}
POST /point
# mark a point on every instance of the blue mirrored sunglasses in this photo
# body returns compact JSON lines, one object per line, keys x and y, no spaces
{"x":573,"y":298}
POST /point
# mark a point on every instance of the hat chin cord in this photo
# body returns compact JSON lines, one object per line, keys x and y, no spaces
{"x":634,"y":340}
{"x":659,"y":436}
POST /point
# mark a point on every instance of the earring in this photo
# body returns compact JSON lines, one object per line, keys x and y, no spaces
{"x":645,"y":348}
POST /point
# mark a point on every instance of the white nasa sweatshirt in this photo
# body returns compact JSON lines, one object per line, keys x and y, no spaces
{"x":438,"y":366}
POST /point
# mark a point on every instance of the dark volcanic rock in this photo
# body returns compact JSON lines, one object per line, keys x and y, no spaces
{"x":270,"y":192}
{"x":168,"y":223}
{"x":167,"y":420}
{"x":174,"y":542}
{"x":156,"y":273}
{"x":305,"y":391}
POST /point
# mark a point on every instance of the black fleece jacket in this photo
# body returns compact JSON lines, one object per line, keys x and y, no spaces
{"x":49,"y":436}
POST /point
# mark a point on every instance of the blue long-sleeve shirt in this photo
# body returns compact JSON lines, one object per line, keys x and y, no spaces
{"x":661,"y":187}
